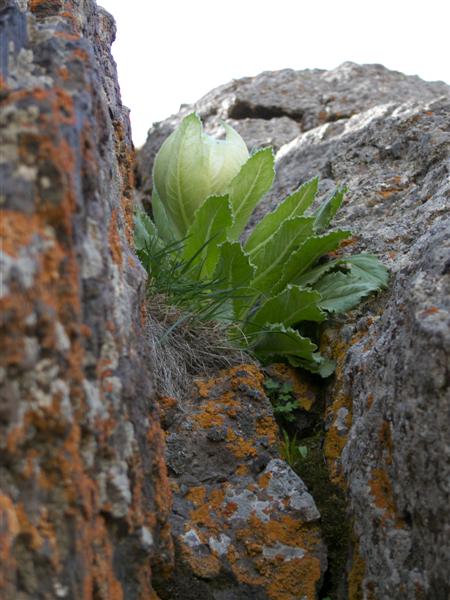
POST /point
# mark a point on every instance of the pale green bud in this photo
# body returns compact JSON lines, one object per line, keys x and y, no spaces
{"x":189,"y":167}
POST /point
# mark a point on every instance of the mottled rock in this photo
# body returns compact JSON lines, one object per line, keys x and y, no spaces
{"x":244,"y":524}
{"x":84,"y":497}
{"x":386,"y":137}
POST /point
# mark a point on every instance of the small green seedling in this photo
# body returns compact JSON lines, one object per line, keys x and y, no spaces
{"x":291,"y":451}
{"x":282,"y":398}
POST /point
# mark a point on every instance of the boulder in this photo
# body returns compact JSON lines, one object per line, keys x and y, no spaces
{"x":243,"y":522}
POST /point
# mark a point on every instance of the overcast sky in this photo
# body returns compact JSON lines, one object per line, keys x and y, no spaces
{"x":171,"y":52}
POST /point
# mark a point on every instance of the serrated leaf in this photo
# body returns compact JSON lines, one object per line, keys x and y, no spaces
{"x":326,"y":212}
{"x":309,"y":252}
{"x":317,"y":364}
{"x":279,"y":341}
{"x":312,"y":275}
{"x":271,"y":384}
{"x":292,"y":305}
{"x":207,"y":232}
{"x":368,"y":268}
{"x":293,"y":206}
{"x":144,"y":230}
{"x":365,"y":266}
{"x":287,"y":388}
{"x":248,"y":187}
{"x":234,"y":271}
{"x":342,"y":291}
{"x":270,"y":259}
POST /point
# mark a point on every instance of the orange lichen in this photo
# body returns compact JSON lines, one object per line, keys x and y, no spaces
{"x":52,"y":448}
{"x":356,"y":575}
{"x":432,"y":310}
{"x":264,"y":480}
{"x":115,"y":243}
{"x":383,"y":495}
{"x":334,"y":441}
{"x":163,"y":494}
{"x":386,"y":441}
{"x":239,"y":446}
{"x":266,"y":427}
{"x":46,"y":7}
{"x":17,"y":230}
{"x":9,"y":529}
{"x":303,"y":391}
{"x":204,"y":386}
{"x":283,"y":580}
{"x":203,"y":566}
{"x":166,"y":405}
{"x":297,"y":578}
{"x":196,"y":495}
{"x":388,"y":193}
{"x":242,"y":470}
{"x":202,"y":516}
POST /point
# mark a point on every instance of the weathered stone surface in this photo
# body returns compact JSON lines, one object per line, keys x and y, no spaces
{"x":387,"y":137}
{"x":83,"y":491}
{"x":244,"y":524}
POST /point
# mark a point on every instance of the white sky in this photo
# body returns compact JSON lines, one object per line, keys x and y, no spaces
{"x":174,"y":51}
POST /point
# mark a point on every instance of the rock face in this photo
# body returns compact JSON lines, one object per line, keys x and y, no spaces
{"x":84,"y":497}
{"x":385,"y":136}
{"x":244,"y":524}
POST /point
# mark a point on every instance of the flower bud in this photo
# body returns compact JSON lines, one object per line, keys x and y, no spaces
{"x":191,"y":166}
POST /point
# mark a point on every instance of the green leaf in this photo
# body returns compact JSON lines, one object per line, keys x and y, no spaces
{"x":234,"y":271}
{"x":303,"y":451}
{"x":286,"y":388}
{"x":278,"y":341}
{"x":368,"y":268}
{"x":191,"y":166}
{"x":342,"y":291}
{"x":248,"y":187}
{"x":293,"y":305}
{"x":312,"y":275}
{"x":309,"y":252}
{"x":207,"y":232}
{"x":271,"y":385}
{"x":365,"y":266}
{"x":145,"y":231}
{"x":326,"y":212}
{"x":271,"y":257}
{"x":167,"y":230}
{"x":317,"y":364}
{"x":293,"y":206}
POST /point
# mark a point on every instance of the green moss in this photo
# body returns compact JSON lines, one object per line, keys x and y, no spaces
{"x":331,"y":502}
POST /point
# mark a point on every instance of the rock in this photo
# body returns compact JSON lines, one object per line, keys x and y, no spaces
{"x":386,"y":137}
{"x":244,"y":523}
{"x":84,"y":497}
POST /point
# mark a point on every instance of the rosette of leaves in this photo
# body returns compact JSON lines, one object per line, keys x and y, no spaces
{"x":278,"y":286}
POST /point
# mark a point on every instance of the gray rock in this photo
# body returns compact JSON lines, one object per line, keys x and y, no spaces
{"x":385,"y":136}
{"x":244,"y":523}
{"x":83,"y":495}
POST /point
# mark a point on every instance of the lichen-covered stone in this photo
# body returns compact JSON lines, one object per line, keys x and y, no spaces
{"x":244,"y":524}
{"x":386,"y":137}
{"x":84,"y":496}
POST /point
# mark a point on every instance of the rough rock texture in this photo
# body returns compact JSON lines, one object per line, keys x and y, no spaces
{"x":84,"y":496}
{"x":387,"y":137}
{"x":244,"y":524}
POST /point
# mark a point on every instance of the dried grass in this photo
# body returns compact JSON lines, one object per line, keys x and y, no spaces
{"x":182,"y":347}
